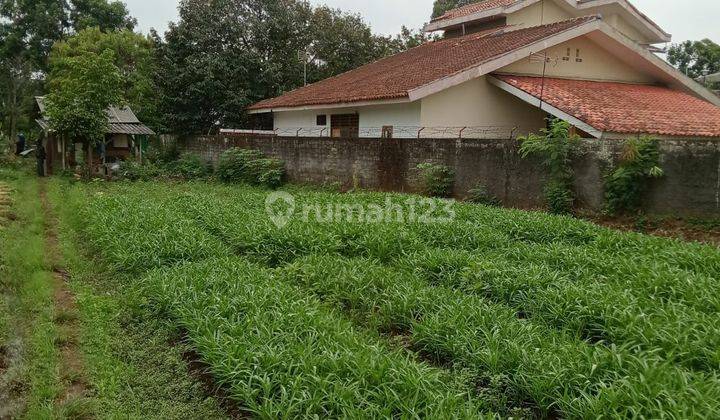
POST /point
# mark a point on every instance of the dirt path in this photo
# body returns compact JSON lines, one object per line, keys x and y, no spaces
{"x":5,"y":205}
{"x":66,"y":318}
{"x":11,"y":351}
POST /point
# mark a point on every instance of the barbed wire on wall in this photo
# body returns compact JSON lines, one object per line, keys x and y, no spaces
{"x":398,"y":132}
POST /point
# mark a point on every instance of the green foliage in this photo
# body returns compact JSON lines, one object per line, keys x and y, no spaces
{"x":134,"y":59}
{"x":203,"y":83}
{"x":437,"y":180}
{"x":481,"y":195}
{"x":81,"y":90}
{"x":508,"y":303}
{"x":696,"y":58}
{"x":251,"y":167}
{"x":555,"y":146}
{"x":291,"y":341}
{"x":189,"y":166}
{"x":639,"y":164}
{"x":162,"y":153}
{"x":133,"y":170}
{"x":28,"y":30}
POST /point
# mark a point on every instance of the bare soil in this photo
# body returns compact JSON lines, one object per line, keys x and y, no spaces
{"x":11,"y":352}
{"x":71,"y":358}
{"x":707,"y":232}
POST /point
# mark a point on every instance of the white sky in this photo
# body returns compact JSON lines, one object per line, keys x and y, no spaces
{"x":678,"y":17}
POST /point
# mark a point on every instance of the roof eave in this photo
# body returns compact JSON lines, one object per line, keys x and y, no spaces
{"x":558,"y":113}
{"x":312,"y":107}
{"x":653,"y":27}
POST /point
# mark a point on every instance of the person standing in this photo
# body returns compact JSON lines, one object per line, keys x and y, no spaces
{"x":20,"y":144}
{"x":40,"y":155}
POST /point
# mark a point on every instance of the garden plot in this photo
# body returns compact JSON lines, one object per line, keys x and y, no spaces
{"x":529,"y":314}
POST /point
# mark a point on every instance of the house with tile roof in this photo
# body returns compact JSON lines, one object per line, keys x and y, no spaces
{"x":508,"y":65}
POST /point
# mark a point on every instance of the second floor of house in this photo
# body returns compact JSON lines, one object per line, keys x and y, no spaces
{"x":489,"y":14}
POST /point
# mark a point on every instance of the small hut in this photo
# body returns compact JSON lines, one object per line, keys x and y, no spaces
{"x":126,"y":138}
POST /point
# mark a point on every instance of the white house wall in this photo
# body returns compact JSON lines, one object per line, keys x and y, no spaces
{"x":480,"y":105}
{"x":372,"y":118}
{"x":596,"y":64}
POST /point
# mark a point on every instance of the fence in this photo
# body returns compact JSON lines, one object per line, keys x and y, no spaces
{"x":398,"y":132}
{"x":690,"y":187}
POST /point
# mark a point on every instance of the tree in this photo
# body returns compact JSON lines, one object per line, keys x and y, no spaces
{"x":134,"y":59}
{"x":224,"y":55}
{"x":28,"y":29}
{"x":442,"y":6}
{"x":82,"y":87}
{"x":696,"y":58}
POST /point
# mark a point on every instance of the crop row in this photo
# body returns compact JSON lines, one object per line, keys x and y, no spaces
{"x":283,"y":354}
{"x":600,"y":311}
{"x":526,"y":309}
{"x":654,"y":308}
{"x":550,"y":369}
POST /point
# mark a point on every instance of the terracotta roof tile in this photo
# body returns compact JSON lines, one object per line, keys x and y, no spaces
{"x":474,"y":8}
{"x":393,"y":77}
{"x":625,"y":108}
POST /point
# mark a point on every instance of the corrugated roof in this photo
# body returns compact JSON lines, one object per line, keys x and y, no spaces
{"x":625,"y":108}
{"x":121,"y":120}
{"x":393,"y":77}
{"x":122,"y":128}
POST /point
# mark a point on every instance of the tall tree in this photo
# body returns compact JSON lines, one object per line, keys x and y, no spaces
{"x":696,"y":58}
{"x":28,"y":29}
{"x":82,"y":87}
{"x":133,"y":57}
{"x":224,"y":55}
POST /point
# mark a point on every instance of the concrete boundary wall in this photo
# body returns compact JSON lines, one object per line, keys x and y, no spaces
{"x":691,"y":186}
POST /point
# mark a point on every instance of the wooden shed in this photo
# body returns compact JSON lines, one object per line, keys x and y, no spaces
{"x":126,"y":138}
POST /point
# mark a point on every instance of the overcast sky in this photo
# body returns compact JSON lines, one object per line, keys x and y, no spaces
{"x":387,"y":16}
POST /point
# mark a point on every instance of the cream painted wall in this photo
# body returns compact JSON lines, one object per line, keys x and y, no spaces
{"x":597,"y":64}
{"x":372,"y":118}
{"x":537,"y":14}
{"x":477,"y":103}
{"x":617,"y":22}
{"x":551,"y":11}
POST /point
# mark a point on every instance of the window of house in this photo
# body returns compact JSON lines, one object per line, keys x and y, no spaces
{"x":345,"y":125}
{"x":321,"y":120}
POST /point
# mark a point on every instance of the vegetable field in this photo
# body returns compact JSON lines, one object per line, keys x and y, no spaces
{"x":493,"y":313}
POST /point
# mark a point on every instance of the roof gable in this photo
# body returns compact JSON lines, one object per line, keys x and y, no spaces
{"x":492,"y":9}
{"x":394,"y":77}
{"x":434,"y":67}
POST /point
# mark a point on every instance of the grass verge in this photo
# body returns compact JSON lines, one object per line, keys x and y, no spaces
{"x":135,"y":362}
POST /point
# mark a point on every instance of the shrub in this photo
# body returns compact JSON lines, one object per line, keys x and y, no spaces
{"x":189,"y":166}
{"x":559,"y":196}
{"x":251,"y":167}
{"x":625,"y":185}
{"x":233,"y":165}
{"x":437,"y":180}
{"x":556,"y":147}
{"x":272,"y":172}
{"x":160,"y":153}
{"x":135,"y":171}
{"x":481,"y":195}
